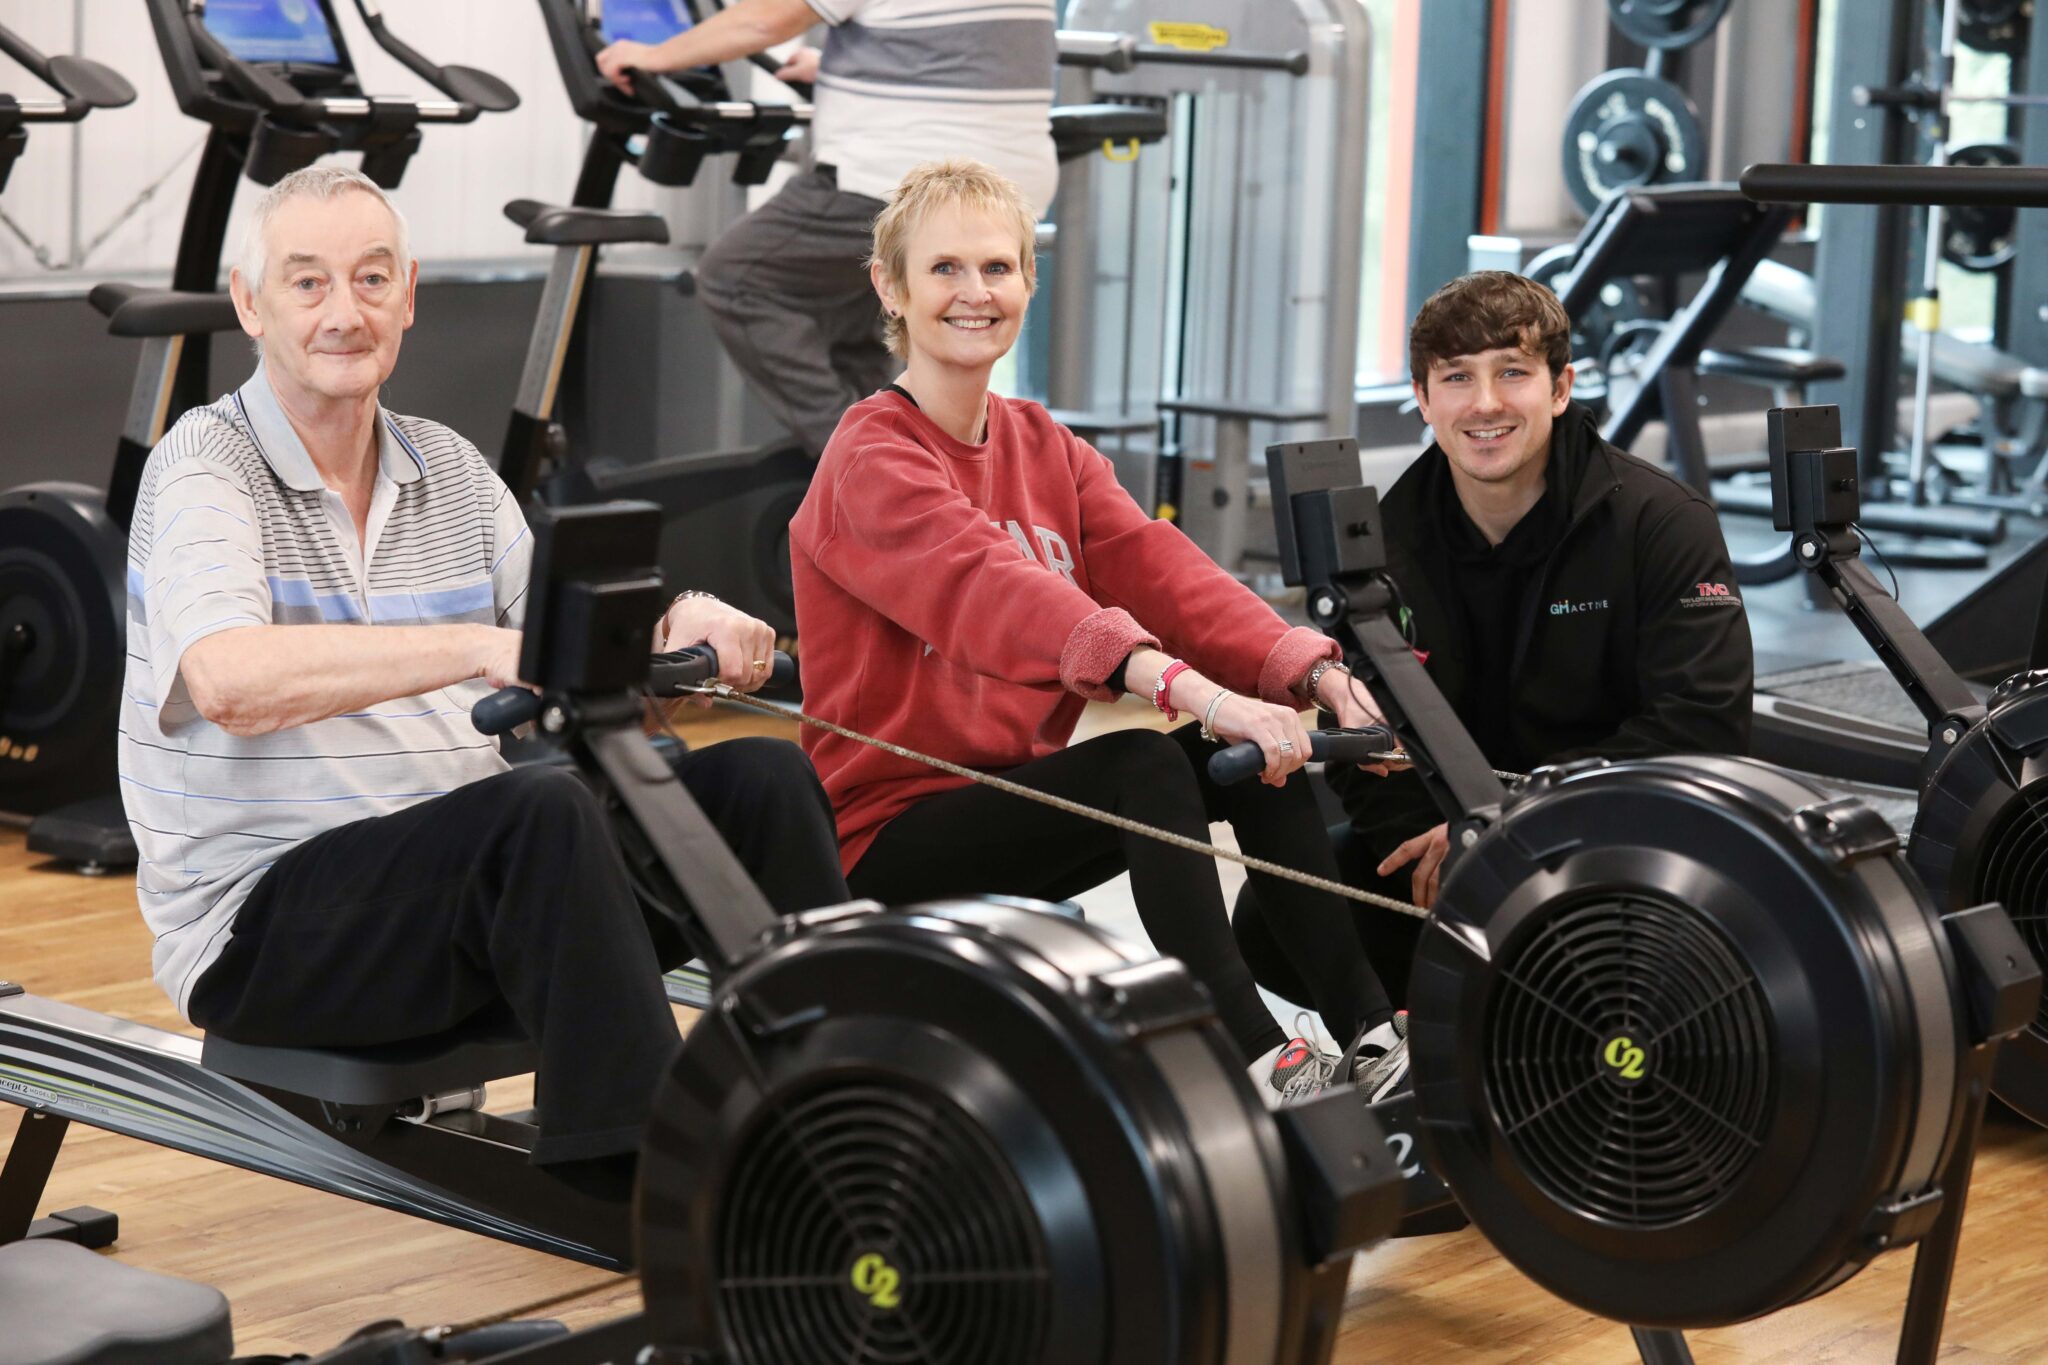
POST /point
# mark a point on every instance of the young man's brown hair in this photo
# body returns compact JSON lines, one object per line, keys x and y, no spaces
{"x":1484,"y":311}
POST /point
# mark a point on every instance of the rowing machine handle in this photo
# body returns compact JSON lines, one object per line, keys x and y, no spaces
{"x":1240,"y":761}
{"x":505,"y":710}
{"x":673,"y":674}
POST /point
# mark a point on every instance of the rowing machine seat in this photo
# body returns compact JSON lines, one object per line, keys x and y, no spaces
{"x":389,"y":1073}
{"x":64,"y":1305}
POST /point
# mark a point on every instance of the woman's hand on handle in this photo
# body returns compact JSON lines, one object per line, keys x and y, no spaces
{"x":1277,"y":730}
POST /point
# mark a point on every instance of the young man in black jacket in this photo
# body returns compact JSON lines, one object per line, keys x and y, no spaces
{"x":1570,"y":600}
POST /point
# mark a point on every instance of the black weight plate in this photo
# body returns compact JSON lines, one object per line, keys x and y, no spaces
{"x":1998,"y":26}
{"x":1628,"y":129}
{"x":1667,"y":24}
{"x":1615,"y":305}
{"x":1979,"y":237}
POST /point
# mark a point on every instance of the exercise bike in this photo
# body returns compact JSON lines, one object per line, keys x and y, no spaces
{"x":728,"y":501}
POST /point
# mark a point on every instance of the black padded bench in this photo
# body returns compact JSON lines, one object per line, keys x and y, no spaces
{"x":64,"y":1305}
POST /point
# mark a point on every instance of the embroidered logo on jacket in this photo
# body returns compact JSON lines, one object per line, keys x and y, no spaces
{"x":1710,"y":595}
{"x":1564,"y":606}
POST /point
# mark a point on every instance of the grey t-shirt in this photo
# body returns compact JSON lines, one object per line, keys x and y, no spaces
{"x":232,"y":529}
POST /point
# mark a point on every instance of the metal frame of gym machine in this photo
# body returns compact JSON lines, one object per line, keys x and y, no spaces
{"x":1245,"y":240}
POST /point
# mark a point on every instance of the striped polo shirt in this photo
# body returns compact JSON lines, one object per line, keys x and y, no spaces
{"x":903,"y":82}
{"x":234,"y":527}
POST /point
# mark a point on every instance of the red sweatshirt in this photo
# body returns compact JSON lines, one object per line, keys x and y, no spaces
{"x":964,"y":601}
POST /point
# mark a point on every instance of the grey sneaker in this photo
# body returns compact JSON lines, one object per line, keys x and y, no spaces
{"x":1380,"y":1072}
{"x":1303,"y":1070}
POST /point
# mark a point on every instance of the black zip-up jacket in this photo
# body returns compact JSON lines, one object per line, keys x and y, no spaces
{"x":1632,"y":640}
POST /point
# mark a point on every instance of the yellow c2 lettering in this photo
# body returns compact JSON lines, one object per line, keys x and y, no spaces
{"x":1625,"y":1057}
{"x":875,"y":1280}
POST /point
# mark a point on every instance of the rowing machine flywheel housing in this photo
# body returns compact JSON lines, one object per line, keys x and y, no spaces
{"x":976,"y":1133}
{"x":1982,"y":834}
{"x":1687,"y":1039}
{"x":63,"y":608}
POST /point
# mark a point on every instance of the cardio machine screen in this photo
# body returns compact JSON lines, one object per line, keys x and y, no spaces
{"x":645,"y":21}
{"x":294,"y":31}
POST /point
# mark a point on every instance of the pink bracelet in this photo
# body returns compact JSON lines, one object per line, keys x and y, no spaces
{"x":1160,"y":692}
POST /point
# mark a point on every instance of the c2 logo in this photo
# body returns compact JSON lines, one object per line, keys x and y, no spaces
{"x":875,"y":1280}
{"x":1623,"y":1056}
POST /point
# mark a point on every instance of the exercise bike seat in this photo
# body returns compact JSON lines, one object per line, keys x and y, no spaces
{"x":554,"y":225}
{"x":389,"y":1073}
{"x":132,"y":311}
{"x":64,"y":1305}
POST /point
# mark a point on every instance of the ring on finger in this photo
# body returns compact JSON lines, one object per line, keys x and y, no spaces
{"x":1286,"y":746}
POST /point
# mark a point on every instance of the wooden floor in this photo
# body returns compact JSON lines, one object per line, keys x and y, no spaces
{"x":302,"y":1269}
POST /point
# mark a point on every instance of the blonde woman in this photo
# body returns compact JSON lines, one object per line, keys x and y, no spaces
{"x":969,"y":573}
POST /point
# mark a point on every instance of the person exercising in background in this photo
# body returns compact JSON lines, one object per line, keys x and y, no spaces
{"x":1570,"y":600}
{"x":319,"y":590}
{"x":899,"y":82}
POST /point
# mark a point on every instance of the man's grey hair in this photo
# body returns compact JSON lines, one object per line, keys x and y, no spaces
{"x":312,"y":182}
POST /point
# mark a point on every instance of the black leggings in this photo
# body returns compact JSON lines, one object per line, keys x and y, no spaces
{"x":509,"y":894}
{"x":1387,"y":937}
{"x":975,"y":840}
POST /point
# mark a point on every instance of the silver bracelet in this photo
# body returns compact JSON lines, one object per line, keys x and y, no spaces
{"x":1209,"y":715}
{"x":688,"y":593}
{"x":1315,"y":676}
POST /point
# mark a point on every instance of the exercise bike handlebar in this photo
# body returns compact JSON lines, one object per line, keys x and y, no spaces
{"x":82,"y":85}
{"x":463,"y":84}
{"x":668,"y":675}
{"x":1240,"y":761}
{"x":1920,"y":186}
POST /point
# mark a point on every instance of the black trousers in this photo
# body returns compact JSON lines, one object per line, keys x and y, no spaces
{"x":509,"y":894}
{"x":979,"y":841}
{"x":1387,"y":937}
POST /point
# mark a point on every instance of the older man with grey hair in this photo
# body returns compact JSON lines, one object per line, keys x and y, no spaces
{"x":318,"y":591}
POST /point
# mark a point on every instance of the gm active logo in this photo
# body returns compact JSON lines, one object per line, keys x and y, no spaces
{"x":1625,"y":1061}
{"x":875,"y":1280}
{"x":1566,"y":607}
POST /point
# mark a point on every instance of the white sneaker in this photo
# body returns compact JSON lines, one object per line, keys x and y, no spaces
{"x":1381,"y":1069}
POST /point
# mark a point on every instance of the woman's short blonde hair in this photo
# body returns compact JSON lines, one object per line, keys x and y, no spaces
{"x":960,"y":181}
